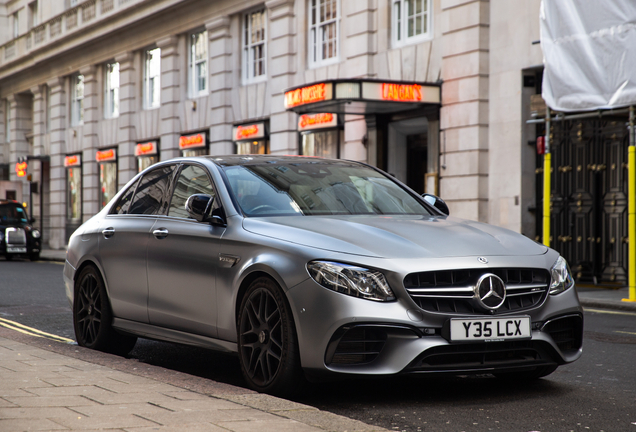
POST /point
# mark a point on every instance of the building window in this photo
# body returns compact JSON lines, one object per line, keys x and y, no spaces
{"x":16,"y":25}
{"x":7,"y":121}
{"x":77,"y":100}
{"x":411,"y":21}
{"x":33,"y":14}
{"x":111,"y":91}
{"x":47,"y":110}
{"x":74,"y":194}
{"x":198,"y":63}
{"x":324,"y":31}
{"x":152,"y":78}
{"x":254,"y":47}
{"x":322,"y":144}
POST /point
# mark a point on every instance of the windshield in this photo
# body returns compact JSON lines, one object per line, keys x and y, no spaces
{"x":318,"y":188}
{"x":11,"y":214}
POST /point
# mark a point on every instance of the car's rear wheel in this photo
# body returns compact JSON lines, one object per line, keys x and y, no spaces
{"x":92,"y":316}
{"x":267,"y":341}
{"x":536,"y":373}
{"x":34,"y":256}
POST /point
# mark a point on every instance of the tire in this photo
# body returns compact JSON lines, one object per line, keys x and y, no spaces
{"x":8,"y":257}
{"x":92,"y":316}
{"x":34,"y":256}
{"x":267,"y":341}
{"x":536,"y":373}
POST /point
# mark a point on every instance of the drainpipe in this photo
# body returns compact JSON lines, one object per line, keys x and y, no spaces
{"x":547,"y":168}
{"x":631,"y":206}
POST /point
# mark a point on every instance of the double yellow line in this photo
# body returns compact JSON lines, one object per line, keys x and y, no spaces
{"x":31,"y":331}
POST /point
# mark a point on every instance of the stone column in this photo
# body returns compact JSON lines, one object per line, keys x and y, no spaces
{"x":90,"y":170}
{"x":128,"y":104}
{"x":464,"y":113}
{"x":221,"y":82}
{"x":21,"y":126}
{"x":170,"y":96}
{"x":282,"y":49}
{"x":35,"y":166}
{"x":57,"y":184}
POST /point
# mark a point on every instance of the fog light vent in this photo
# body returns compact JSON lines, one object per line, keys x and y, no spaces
{"x":567,"y":332}
{"x":355,"y":346}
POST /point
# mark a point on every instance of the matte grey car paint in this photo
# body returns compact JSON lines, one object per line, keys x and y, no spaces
{"x":195,"y":271}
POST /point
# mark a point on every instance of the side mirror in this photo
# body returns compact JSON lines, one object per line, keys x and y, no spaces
{"x":436,"y":202}
{"x":199,"y":206}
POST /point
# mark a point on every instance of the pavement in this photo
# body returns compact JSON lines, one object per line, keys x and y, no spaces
{"x":52,"y":386}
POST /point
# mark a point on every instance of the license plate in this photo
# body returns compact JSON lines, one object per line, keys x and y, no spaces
{"x":16,"y":249}
{"x":490,"y":329}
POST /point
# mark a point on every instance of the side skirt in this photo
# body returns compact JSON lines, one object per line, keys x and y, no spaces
{"x":163,"y":334}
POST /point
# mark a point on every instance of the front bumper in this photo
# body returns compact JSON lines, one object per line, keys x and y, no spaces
{"x":342,"y":334}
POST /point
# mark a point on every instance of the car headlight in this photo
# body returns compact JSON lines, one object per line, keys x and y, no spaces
{"x":561,"y":277}
{"x":351,"y":280}
{"x":35,"y":233}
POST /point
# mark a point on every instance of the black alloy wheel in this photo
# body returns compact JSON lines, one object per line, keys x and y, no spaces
{"x":92,"y":317}
{"x":268,"y":348}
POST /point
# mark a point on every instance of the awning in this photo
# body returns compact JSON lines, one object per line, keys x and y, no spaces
{"x":358,"y":96}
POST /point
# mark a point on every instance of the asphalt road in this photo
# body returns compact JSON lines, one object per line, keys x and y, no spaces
{"x":596,"y":393}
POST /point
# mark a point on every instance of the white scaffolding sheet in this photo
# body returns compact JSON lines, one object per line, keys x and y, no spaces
{"x":589,"y":49}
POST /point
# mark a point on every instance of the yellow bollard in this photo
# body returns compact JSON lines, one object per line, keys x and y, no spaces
{"x":631,"y":218}
{"x":547,"y":168}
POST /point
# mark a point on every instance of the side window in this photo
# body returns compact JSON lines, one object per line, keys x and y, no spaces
{"x":123,"y":205}
{"x":192,"y":180}
{"x":150,"y":198}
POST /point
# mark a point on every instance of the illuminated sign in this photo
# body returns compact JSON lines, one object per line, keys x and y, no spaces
{"x":398,"y":92}
{"x":72,"y":161}
{"x":313,"y":93}
{"x":249,"y":132}
{"x":21,"y":168}
{"x":191,"y":141}
{"x":106,"y":155}
{"x":146,"y":149}
{"x":317,"y":121}
{"x":402,"y":92}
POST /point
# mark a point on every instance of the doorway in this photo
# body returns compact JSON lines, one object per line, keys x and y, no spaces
{"x":408,"y":152}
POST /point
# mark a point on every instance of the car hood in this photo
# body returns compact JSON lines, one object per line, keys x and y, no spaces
{"x":396,"y":236}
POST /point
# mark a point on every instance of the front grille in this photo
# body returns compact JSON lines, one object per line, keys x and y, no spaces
{"x":357,"y":345}
{"x":567,"y":332}
{"x":15,"y":236}
{"x":481,"y":356}
{"x":452,"y":291}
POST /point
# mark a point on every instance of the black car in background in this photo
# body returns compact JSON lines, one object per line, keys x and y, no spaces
{"x":17,"y":235}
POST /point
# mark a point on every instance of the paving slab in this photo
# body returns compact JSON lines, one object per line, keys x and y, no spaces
{"x":51,"y":386}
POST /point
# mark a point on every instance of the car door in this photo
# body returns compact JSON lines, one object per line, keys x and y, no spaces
{"x":183,"y":255}
{"x":123,"y":241}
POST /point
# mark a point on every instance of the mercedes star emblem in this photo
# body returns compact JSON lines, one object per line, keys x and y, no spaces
{"x":490,"y":291}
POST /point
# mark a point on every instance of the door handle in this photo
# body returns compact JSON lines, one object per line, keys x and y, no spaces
{"x":108,"y":232}
{"x":160,"y":233}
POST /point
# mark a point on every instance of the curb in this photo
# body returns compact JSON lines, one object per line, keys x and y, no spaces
{"x":612,"y":305}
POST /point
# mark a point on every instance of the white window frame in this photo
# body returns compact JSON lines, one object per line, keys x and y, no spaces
{"x":34,"y":17}
{"x":249,"y":47}
{"x":317,"y":30}
{"x":111,"y":90}
{"x":152,"y":78}
{"x":400,"y":21}
{"x":77,"y":100}
{"x":16,"y":24}
{"x":193,"y":65}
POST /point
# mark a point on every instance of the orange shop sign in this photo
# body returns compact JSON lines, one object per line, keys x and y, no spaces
{"x":106,"y":155}
{"x":72,"y":161}
{"x":146,"y":149}
{"x":249,"y":132}
{"x":21,"y":168}
{"x":317,"y":121}
{"x":192,"y":141}
{"x":313,"y":93}
{"x":402,"y":92}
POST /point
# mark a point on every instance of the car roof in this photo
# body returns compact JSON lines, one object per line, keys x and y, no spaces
{"x":239,"y":160}
{"x":5,"y":202}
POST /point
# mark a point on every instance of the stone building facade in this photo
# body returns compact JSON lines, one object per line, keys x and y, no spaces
{"x":93,"y":90}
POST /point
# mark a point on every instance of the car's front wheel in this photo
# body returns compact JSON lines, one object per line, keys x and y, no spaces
{"x":92,"y":316}
{"x":267,"y":341}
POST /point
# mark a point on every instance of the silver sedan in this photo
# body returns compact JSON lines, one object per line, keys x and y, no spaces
{"x":308,"y":267}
